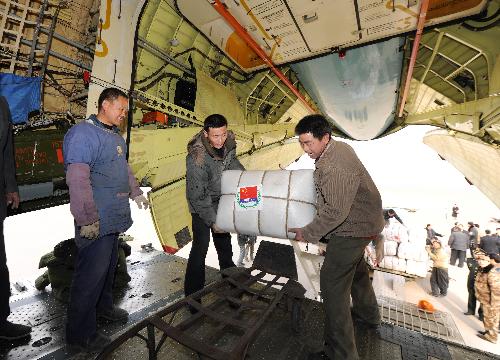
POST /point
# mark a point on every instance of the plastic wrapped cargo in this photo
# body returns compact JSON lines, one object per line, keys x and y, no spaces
{"x":395,"y":231}
{"x":390,"y":248}
{"x":399,"y":264}
{"x":418,"y":268}
{"x":266,"y":203}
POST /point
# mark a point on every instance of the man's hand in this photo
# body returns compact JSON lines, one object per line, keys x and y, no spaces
{"x":217,"y":230}
{"x":12,"y":199}
{"x":141,"y":201}
{"x":299,"y":234}
{"x":90,"y":231}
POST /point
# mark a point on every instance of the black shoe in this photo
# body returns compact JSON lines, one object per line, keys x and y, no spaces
{"x":11,"y":331}
{"x":468,"y":313}
{"x":115,"y":314}
{"x":94,"y":344}
{"x":317,"y":356}
{"x":443,"y":295}
{"x":482,"y":332}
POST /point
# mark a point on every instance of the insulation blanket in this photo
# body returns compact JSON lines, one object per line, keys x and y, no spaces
{"x":390,"y":248}
{"x":418,"y":268}
{"x":266,"y":203}
{"x":412,"y":251}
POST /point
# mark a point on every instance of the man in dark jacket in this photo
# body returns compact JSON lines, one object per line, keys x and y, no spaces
{"x":490,"y":243}
{"x":473,"y":235}
{"x":458,"y":242}
{"x":210,"y":152}
{"x":9,"y":196}
{"x":431,"y":233}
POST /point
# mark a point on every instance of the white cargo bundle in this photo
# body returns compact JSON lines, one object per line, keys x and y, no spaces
{"x":266,"y":203}
{"x":418,"y":268}
{"x":399,"y":264}
{"x":404,"y":251}
{"x":395,"y":231}
{"x":390,"y":248}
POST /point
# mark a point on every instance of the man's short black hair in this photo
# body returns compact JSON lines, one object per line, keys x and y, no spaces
{"x":110,"y":94}
{"x":315,"y":124}
{"x":214,"y":121}
{"x":487,"y":232}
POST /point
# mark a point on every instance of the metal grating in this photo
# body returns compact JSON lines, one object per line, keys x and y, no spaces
{"x":156,"y":281}
{"x":406,"y":315}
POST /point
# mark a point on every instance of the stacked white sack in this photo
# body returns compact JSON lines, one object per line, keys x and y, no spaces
{"x":403,"y":250}
{"x":390,"y":248}
{"x":287,"y":199}
{"x":418,"y":268}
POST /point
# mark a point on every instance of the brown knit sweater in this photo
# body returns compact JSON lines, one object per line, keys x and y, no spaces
{"x":349,"y":203}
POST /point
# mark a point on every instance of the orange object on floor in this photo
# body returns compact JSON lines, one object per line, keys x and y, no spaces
{"x":426,"y":306}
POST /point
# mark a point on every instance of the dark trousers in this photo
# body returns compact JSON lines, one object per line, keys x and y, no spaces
{"x":472,"y":301}
{"x":195,"y":270}
{"x":92,"y":287}
{"x":344,"y":274}
{"x":4,"y":279}
{"x":457,"y":254}
{"x":439,"y":281}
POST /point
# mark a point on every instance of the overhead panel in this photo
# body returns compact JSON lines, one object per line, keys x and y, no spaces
{"x":475,"y":159}
{"x":320,"y":22}
{"x":291,"y":30}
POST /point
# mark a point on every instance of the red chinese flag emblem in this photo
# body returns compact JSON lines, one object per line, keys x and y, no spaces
{"x":248,"y":192}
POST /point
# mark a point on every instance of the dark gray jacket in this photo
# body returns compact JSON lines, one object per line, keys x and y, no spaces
{"x":490,"y":244}
{"x":7,"y":163}
{"x":459,"y":240}
{"x":203,"y":174}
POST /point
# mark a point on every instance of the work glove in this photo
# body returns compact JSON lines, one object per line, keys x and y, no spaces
{"x":141,"y":201}
{"x":90,"y":231}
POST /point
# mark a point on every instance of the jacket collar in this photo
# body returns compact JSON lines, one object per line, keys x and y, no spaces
{"x":199,"y":146}
{"x":94,"y":120}
{"x":327,"y":154}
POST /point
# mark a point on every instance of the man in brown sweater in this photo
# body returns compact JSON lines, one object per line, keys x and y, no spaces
{"x":349,"y":216}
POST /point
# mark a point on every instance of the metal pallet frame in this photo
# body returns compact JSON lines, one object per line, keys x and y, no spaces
{"x":230,"y":292}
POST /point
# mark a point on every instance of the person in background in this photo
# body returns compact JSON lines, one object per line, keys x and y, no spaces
{"x":490,"y":243}
{"x":473,"y":236}
{"x":349,"y":216}
{"x":210,"y":152}
{"x":439,"y":277}
{"x":458,"y":242}
{"x":488,"y":293}
{"x":243,"y":242}
{"x":100,"y":184}
{"x":454,"y":211}
{"x":250,"y":249}
{"x":471,"y":279}
{"x":430,"y":234}
{"x":454,"y":228}
{"x":391,"y":213}
{"x":9,"y":196}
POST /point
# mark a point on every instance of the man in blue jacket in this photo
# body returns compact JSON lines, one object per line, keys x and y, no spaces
{"x":100,"y":184}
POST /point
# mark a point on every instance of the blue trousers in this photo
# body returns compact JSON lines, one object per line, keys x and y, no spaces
{"x":91,"y":288}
